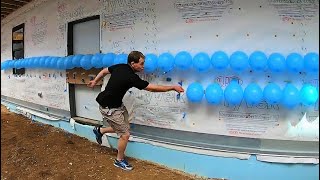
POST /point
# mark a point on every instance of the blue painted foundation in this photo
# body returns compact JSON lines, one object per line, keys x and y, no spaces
{"x":201,"y":165}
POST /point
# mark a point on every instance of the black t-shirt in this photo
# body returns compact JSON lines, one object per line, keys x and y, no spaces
{"x":122,"y":79}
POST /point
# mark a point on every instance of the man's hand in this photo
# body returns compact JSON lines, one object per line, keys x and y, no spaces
{"x":101,"y":74}
{"x":91,"y":84}
{"x":178,"y":89}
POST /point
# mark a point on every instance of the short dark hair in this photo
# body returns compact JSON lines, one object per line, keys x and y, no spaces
{"x":134,"y":56}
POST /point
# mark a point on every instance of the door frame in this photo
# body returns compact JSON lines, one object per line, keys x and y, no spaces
{"x":72,"y":97}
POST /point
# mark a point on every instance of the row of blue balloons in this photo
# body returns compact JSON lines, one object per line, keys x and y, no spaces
{"x":85,"y":61}
{"x":290,"y":96}
{"x":238,"y":61}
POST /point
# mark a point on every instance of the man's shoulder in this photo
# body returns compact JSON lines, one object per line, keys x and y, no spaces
{"x":118,"y":67}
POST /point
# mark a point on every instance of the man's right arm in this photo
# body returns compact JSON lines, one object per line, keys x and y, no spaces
{"x":101,"y":74}
{"x":161,"y":88}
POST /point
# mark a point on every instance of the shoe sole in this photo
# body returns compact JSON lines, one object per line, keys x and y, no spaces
{"x":122,"y":168}
{"x":96,"y":133}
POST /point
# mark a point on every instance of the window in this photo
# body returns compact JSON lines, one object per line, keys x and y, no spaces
{"x":18,"y":46}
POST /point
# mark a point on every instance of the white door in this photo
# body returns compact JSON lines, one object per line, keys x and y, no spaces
{"x":86,"y":40}
{"x":86,"y":104}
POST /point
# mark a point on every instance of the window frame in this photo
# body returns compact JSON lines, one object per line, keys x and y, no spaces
{"x":16,"y":71}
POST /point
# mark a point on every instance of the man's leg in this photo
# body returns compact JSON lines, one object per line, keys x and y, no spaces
{"x":106,"y":130}
{"x":121,"y":162}
{"x":99,"y":131}
{"x":122,"y":145}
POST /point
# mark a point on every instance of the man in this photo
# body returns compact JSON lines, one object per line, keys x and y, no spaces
{"x":122,"y":78}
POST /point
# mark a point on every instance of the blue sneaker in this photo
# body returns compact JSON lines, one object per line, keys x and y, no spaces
{"x":123,"y":164}
{"x":96,"y":131}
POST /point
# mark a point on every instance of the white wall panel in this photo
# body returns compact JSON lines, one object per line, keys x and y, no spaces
{"x":171,"y":26}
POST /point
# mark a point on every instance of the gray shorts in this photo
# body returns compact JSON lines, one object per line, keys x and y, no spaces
{"x":117,"y":118}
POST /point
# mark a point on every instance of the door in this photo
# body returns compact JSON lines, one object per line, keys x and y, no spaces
{"x":84,"y":38}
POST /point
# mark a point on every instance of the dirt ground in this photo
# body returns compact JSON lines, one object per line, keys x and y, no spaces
{"x":30,"y":150}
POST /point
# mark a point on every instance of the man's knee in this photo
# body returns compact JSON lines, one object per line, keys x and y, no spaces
{"x":125,"y":136}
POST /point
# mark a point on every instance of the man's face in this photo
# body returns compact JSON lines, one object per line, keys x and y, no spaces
{"x":139,"y":66}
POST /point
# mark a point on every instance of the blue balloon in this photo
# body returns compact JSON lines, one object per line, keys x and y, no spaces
{"x":294,"y":62}
{"x":183,"y":60}
{"x":108,"y":59}
{"x":96,"y":60}
{"x":290,"y":96}
{"x":150,"y":64}
{"x":68,"y":62}
{"x":276,"y":62}
{"x":233,"y":93}
{"x":16,"y":63}
{"x":121,"y":59}
{"x":42,"y":61}
{"x":239,"y":61}
{"x":201,"y":62}
{"x":4,"y":65}
{"x":311,"y":62}
{"x":214,"y":94}
{"x":220,"y":60}
{"x":36,"y":62}
{"x":22,"y":63}
{"x":309,"y":95}
{"x":30,"y":61}
{"x":76,"y":60}
{"x":166,"y":62}
{"x":253,"y":94}
{"x":85,"y":62}
{"x":11,"y":64}
{"x":60,"y":63}
{"x":47,"y":62}
{"x":26,"y":62}
{"x":53,"y":62}
{"x":272,"y":93}
{"x":195,"y":92}
{"x":258,"y":61}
